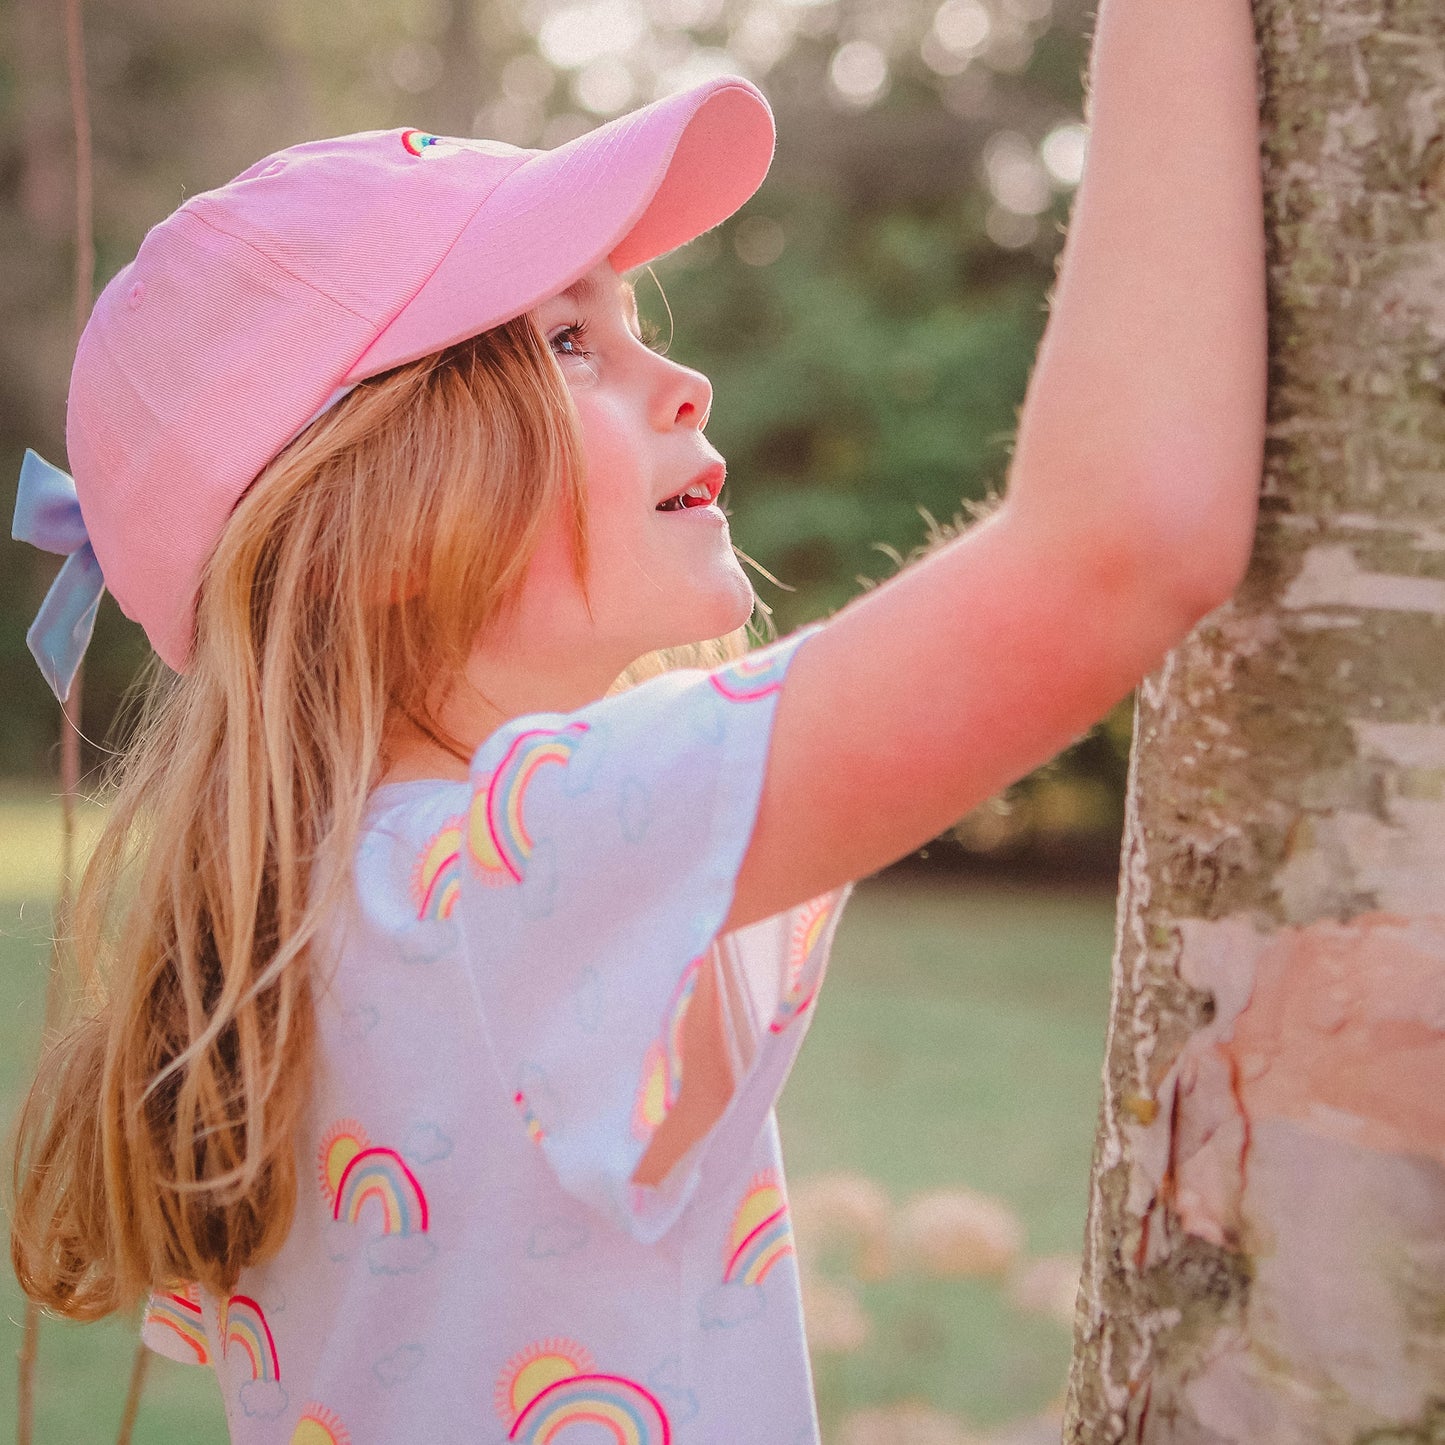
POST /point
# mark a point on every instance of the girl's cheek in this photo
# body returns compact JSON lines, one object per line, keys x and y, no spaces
{"x":608,"y":447}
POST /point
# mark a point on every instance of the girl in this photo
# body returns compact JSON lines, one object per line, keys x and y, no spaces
{"x":450,"y":969}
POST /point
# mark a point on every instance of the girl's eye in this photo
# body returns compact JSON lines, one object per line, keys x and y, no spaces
{"x":567,"y":340}
{"x":570,"y":340}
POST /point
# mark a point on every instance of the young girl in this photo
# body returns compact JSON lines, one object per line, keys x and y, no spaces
{"x":450,"y":969}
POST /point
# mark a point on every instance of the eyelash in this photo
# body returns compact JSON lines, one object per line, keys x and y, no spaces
{"x":576,"y":332}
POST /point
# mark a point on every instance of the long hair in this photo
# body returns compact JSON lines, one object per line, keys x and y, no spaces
{"x":158,"y":1140}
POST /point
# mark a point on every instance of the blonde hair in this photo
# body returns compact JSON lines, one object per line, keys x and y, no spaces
{"x":157,"y":1142}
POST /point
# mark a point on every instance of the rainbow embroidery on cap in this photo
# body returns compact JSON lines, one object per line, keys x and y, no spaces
{"x":179,"y":1310}
{"x":662,"y":1064}
{"x":552,"y":1384}
{"x":760,"y":1235}
{"x":422,"y":143}
{"x":806,"y":958}
{"x":436,"y":881}
{"x":497,"y":839}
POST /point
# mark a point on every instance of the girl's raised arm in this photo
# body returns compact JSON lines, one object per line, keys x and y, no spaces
{"x":1131,"y":496}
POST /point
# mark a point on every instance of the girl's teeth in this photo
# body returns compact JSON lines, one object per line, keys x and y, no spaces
{"x":698,"y":494}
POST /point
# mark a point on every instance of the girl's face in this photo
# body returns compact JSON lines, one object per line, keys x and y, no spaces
{"x":659,"y":576}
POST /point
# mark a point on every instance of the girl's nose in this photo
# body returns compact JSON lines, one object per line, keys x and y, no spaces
{"x":683,"y":397}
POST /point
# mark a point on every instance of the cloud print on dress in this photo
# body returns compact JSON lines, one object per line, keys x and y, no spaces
{"x":730,"y":1304}
{"x":263,"y":1399}
{"x":667,"y":1383}
{"x":634,"y":809}
{"x":425,"y":1144}
{"x":360,"y":1021}
{"x":556,"y":1237}
{"x":392,"y":1369}
{"x":425,"y":941}
{"x":399,"y":1253}
{"x":587,"y":1000}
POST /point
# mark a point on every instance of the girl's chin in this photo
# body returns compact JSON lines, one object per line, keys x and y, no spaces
{"x":717,"y":618}
{"x":734,"y":608}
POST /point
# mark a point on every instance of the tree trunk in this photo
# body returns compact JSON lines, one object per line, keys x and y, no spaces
{"x":1265,"y":1256}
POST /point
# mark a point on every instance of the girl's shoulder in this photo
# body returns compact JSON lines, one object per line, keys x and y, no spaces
{"x":604,"y":810}
{"x":624,"y":740}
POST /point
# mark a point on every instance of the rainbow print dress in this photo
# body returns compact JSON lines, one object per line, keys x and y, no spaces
{"x":497,"y":1237}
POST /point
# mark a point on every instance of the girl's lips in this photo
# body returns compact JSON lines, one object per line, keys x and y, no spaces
{"x":711,"y":509}
{"x":711,"y":477}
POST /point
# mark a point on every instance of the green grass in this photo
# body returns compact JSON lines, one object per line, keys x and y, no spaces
{"x":957,"y":1041}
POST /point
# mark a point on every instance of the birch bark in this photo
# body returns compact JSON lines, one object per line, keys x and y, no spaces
{"x":1265,"y":1252}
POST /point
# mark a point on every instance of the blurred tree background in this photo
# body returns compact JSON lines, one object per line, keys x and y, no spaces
{"x":868,"y":321}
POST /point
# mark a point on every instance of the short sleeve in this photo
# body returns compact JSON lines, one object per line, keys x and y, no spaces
{"x":174,"y":1325}
{"x":599,"y":855}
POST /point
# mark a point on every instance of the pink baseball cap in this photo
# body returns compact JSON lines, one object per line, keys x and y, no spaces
{"x":256,"y":305}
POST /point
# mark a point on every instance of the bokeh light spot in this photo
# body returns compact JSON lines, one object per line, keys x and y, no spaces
{"x":1063,"y":151}
{"x":758,"y":240}
{"x":859,"y":72}
{"x":576,"y":34}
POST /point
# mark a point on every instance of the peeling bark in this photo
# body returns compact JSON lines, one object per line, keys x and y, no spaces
{"x":1265,"y":1253}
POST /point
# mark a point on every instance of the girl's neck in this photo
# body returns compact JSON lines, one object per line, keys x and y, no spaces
{"x":441,"y":746}
{"x":416,"y":752}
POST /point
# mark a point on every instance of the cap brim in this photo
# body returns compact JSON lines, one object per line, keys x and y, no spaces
{"x":629,"y":191}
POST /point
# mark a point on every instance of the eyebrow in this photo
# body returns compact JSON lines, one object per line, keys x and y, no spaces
{"x":585,"y":289}
{"x":586,"y":292}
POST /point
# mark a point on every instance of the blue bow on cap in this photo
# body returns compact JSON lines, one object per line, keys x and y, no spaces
{"x":47,"y":514}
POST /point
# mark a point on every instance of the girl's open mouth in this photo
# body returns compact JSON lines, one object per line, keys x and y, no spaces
{"x":698,"y":496}
{"x":702,"y":491}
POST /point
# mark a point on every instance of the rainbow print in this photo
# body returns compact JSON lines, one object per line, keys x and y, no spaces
{"x":662,"y":1064}
{"x":807,"y":955}
{"x":379,"y":1174}
{"x":244,"y":1326}
{"x":436,"y":880}
{"x":553,"y":1384}
{"x":758,"y":675}
{"x":180,"y":1312}
{"x":319,"y":1426}
{"x":760,"y":1235}
{"x":497,"y":839}
{"x":534,"y":1126}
